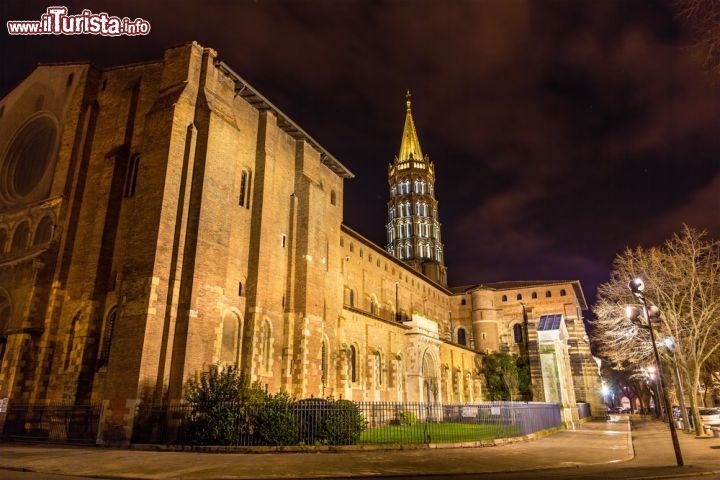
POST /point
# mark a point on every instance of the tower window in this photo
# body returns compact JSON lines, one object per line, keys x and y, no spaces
{"x":563,"y":292}
{"x":548,"y":294}
{"x":519,"y":296}
{"x":534,"y":295}
{"x":463,"y":302}
{"x":504,"y":298}
{"x":332,"y":197}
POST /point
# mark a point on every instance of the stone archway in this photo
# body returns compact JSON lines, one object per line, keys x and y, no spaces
{"x":430,"y":384}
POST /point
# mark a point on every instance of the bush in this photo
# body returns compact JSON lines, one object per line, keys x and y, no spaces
{"x":276,"y":421}
{"x":407,"y":419}
{"x":223,"y":407}
{"x":344,"y":424}
{"x":312,"y":413}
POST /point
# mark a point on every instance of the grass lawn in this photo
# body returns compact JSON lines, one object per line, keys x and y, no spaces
{"x":438,"y":433}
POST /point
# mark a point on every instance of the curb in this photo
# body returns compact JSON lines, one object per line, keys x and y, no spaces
{"x":630,"y":446}
{"x":340,"y":448}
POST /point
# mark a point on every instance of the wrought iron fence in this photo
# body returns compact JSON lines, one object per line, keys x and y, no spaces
{"x":321,"y":422}
{"x":584,"y":410}
{"x":52,"y":422}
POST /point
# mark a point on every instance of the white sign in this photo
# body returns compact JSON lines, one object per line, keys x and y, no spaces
{"x":470,"y":412}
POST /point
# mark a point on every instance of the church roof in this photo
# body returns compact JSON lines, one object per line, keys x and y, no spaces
{"x":410,"y":143}
{"x":515,"y":284}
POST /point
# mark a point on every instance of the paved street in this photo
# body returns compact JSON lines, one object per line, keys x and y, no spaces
{"x":595,"y":450}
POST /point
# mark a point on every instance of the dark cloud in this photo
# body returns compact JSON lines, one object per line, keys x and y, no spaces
{"x":561,"y":131}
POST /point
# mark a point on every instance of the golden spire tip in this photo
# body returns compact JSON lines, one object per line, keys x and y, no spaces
{"x":407,"y":98}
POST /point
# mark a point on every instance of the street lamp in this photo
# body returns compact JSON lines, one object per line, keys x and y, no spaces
{"x":652,"y":315}
{"x":670,"y":345}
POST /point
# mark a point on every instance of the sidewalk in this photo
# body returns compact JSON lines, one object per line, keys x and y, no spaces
{"x":593,"y":443}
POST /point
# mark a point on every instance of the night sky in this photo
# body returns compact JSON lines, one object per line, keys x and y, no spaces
{"x":561,"y":131}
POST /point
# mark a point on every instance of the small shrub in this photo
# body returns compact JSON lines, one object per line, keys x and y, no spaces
{"x":344,"y":424}
{"x":407,"y":419}
{"x":312,"y":413}
{"x":276,"y":422}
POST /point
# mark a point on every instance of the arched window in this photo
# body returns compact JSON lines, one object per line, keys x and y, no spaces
{"x":5,"y":314}
{"x":504,"y":298}
{"x":131,"y":176}
{"x":70,"y":344}
{"x":563,"y":292}
{"x":267,"y":346}
{"x":349,"y":296}
{"x":548,"y":293}
{"x":463,"y":302}
{"x":518,"y":333}
{"x":43,"y":232}
{"x":393,"y":190}
{"x":324,"y":363}
{"x":353,"y":364}
{"x":519,"y":296}
{"x":332,"y":197}
{"x":20,"y":238}
{"x":244,"y":196}
{"x":461,"y":336}
{"x":378,"y":368}
{"x":408,"y":229}
{"x":104,"y":356}
{"x":230,"y":339}
{"x":408,"y":251}
{"x":417,"y":186}
{"x":534,"y":295}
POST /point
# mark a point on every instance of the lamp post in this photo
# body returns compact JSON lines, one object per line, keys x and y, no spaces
{"x":637,"y":286}
{"x":652,"y":382}
{"x":670,"y":345}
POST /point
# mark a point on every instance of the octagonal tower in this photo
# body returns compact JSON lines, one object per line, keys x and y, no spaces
{"x":413,"y":228}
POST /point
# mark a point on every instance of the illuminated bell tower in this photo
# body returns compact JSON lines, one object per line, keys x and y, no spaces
{"x":413,"y":229}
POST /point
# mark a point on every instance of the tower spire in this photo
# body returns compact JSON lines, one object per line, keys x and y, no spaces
{"x":410,"y":144}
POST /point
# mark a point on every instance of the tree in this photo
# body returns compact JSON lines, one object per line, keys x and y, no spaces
{"x":506,"y":376}
{"x":702,"y":19}
{"x":682,"y":278}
